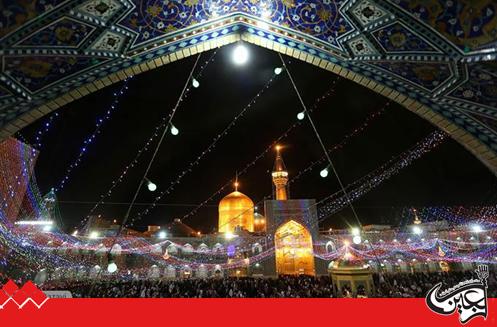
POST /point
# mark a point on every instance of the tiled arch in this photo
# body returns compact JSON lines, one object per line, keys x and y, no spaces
{"x":395,"y":47}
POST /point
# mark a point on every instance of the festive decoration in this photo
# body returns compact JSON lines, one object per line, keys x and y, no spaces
{"x":91,"y":138}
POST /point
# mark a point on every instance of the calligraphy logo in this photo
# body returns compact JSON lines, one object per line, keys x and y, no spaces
{"x":10,"y":292}
{"x":469,"y":297}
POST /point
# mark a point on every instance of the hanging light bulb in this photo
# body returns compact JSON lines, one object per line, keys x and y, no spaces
{"x":112,"y":267}
{"x":174,"y":130}
{"x":151,"y":186}
{"x":324,"y":173}
{"x":195,"y":83}
{"x":240,"y":54}
{"x":278,"y":70}
{"x":301,"y":115}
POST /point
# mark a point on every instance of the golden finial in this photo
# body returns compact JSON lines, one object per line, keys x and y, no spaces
{"x":236,"y":182}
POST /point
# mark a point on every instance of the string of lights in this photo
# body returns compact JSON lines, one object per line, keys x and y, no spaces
{"x":206,"y":151}
{"x":336,"y":202}
{"x":268,"y":149}
{"x":91,"y":138}
{"x":45,"y":128}
{"x":117,"y":181}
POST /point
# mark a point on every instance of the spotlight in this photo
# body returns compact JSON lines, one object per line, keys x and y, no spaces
{"x":357,"y":239}
{"x":240,"y":55}
{"x":47,"y":228}
{"x":324,"y":173}
{"x":75,"y":233}
{"x":301,"y":115}
{"x":112,"y":267}
{"x":355,"y":231}
{"x":417,"y":230}
{"x":162,"y":235}
{"x":476,"y":229}
{"x":151,"y":186}
{"x":174,"y":130}
{"x":278,"y":70}
{"x":93,"y":235}
{"x":195,"y":83}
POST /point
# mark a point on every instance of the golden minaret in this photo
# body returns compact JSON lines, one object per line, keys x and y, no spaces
{"x":280,"y":177}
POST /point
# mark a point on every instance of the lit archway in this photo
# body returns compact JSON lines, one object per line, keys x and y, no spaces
{"x":400,"y":50}
{"x":293,"y":250}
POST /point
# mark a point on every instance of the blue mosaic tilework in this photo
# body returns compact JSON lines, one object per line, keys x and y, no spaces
{"x":397,"y":38}
{"x":36,"y":72}
{"x":321,"y":18}
{"x":427,"y":75}
{"x":481,"y":85}
{"x":469,"y":24}
{"x":65,"y":32}
{"x":15,"y":13}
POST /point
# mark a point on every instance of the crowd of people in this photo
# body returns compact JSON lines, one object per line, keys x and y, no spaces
{"x":399,"y":285}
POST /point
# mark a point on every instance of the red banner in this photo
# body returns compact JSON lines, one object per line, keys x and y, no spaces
{"x":224,"y":312}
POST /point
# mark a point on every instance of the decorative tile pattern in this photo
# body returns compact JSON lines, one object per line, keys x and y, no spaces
{"x":396,"y":38}
{"x":319,"y":18}
{"x":413,"y":56}
{"x":65,"y":32}
{"x":481,"y":85}
{"x":427,"y":75}
{"x":36,"y":72}
{"x":367,"y":12}
{"x":15,"y":13}
{"x":360,"y":46}
{"x":469,"y":24}
{"x":100,"y":9}
{"x":110,"y":41}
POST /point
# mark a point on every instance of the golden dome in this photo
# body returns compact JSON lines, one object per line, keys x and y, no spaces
{"x":236,"y":209}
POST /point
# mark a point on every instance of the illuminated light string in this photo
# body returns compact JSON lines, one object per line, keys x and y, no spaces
{"x":372,"y":180}
{"x":45,"y":128}
{"x":261,"y":155}
{"x":360,"y":187}
{"x":485,"y":216}
{"x":381,"y":249}
{"x":91,"y":138}
{"x":342,"y":143}
{"x":145,"y":147}
{"x":23,"y":156}
{"x":207,"y":150}
{"x":333,"y":148}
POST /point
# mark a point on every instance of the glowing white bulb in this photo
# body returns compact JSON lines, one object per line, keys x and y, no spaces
{"x":112,"y":267}
{"x":417,"y":230}
{"x":240,"y":54}
{"x":301,"y":115}
{"x":355,"y":231}
{"x":324,"y":173}
{"x":278,"y":70}
{"x":75,"y":233}
{"x":93,"y":235}
{"x":151,"y":186}
{"x":477,"y":228}
{"x":357,"y":239}
{"x":195,"y":83}
{"x":162,"y":235}
{"x":174,"y":130}
{"x":47,"y":228}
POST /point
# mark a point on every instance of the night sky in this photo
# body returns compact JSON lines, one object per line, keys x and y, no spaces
{"x":449,"y":175}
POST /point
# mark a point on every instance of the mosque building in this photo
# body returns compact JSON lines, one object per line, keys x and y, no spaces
{"x":280,"y":238}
